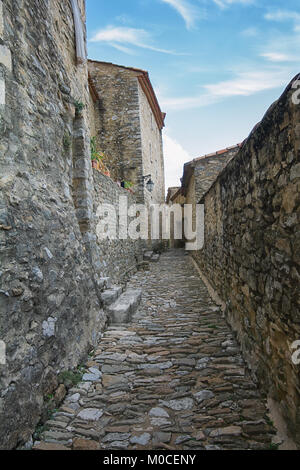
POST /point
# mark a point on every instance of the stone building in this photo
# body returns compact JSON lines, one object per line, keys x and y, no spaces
{"x":128,"y":128}
{"x":200,"y":173}
{"x":53,"y":267}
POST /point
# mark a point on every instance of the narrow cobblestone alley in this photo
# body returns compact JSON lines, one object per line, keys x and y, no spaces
{"x":171,"y":379}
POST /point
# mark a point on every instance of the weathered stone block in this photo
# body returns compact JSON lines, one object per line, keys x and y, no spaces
{"x":295,"y":172}
{"x":5,"y":57}
{"x":85,"y":444}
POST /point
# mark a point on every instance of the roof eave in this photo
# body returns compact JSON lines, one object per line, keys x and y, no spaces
{"x":147,"y":88}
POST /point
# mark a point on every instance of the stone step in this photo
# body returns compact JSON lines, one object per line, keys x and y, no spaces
{"x":103,"y":282}
{"x":151,"y":256}
{"x":124,"y":307}
{"x":148,"y":255}
{"x":110,"y":295}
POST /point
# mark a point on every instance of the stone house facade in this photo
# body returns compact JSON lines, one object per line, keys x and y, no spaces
{"x":129,"y":127}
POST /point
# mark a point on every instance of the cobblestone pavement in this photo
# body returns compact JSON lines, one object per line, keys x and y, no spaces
{"x":171,"y":379}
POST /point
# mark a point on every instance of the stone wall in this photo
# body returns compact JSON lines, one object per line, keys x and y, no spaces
{"x":52,"y":264}
{"x":49,"y":311}
{"x":117,"y":258}
{"x":50,"y":268}
{"x":170,"y":193}
{"x":251,"y":251}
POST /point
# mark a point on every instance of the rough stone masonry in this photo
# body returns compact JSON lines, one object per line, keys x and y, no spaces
{"x":251,"y":250}
{"x":51,"y":265}
{"x":49,"y":307}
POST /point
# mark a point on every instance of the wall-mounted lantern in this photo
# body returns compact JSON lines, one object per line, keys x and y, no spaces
{"x":149,"y":184}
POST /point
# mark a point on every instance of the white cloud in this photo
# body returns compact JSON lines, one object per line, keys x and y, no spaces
{"x":285,"y":15}
{"x":124,"y":49}
{"x":283,"y":47}
{"x":248,"y":83}
{"x":186,"y":102}
{"x":282,"y":15}
{"x":278,"y":57}
{"x":227,"y":3}
{"x":244,"y":83}
{"x":120,"y":37}
{"x":175,"y":157}
{"x":190,"y":13}
{"x":187,"y":11}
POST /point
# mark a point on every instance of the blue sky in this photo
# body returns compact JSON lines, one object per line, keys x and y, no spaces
{"x":216,"y":65}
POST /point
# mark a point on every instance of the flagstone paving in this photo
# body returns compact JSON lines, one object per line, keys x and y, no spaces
{"x":173,"y":378}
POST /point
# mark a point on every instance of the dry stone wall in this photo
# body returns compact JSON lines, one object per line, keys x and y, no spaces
{"x":251,"y":250}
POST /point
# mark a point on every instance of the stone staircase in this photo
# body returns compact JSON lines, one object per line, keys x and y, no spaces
{"x":119,"y":303}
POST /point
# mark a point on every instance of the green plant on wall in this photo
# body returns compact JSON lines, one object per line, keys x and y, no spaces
{"x":78,"y":106}
{"x":97,"y":157}
{"x":70,"y":377}
{"x":126,"y":184}
{"x":95,"y":154}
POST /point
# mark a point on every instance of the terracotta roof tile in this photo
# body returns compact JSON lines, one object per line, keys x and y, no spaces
{"x":219,"y":152}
